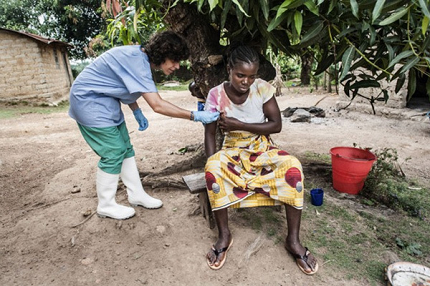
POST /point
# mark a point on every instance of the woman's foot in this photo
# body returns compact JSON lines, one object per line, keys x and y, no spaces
{"x":304,"y":258}
{"x":216,"y":257}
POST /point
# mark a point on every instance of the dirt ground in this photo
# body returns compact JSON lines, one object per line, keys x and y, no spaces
{"x":48,"y":183}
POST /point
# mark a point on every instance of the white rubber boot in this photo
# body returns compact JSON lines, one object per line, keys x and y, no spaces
{"x":136,"y":194}
{"x":107,"y":185}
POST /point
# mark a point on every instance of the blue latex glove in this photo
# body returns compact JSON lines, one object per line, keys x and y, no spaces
{"x":205,"y":117}
{"x":141,"y":119}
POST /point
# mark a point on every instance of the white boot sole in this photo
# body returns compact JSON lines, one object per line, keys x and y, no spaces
{"x":146,"y":206}
{"x":101,"y":215}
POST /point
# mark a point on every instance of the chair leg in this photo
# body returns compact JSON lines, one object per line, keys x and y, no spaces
{"x":206,"y":209}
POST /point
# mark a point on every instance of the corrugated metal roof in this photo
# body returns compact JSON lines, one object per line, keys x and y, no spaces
{"x":39,"y":38}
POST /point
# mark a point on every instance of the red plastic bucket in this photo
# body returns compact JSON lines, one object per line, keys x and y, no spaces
{"x":350,"y":167}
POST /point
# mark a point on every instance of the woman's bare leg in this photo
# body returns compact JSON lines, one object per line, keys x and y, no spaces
{"x":224,"y":236}
{"x":292,"y":242}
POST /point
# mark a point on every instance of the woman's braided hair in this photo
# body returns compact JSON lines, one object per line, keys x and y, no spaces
{"x":244,"y":54}
{"x":166,"y":45}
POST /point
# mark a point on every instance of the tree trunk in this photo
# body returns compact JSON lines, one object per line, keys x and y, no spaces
{"x":305,"y":74}
{"x":206,"y":56}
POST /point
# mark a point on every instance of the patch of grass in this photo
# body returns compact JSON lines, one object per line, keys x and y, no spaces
{"x":312,"y":156}
{"x":15,"y":109}
{"x":387,"y":184}
{"x":264,"y":219}
{"x":351,"y":240}
{"x":180,"y":87}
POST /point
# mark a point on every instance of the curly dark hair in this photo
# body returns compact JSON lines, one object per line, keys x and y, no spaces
{"x":166,"y":45}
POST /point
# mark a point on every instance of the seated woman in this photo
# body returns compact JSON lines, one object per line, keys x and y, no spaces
{"x":250,"y":170}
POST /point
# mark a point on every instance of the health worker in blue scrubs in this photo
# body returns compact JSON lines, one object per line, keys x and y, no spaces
{"x":121,"y":76}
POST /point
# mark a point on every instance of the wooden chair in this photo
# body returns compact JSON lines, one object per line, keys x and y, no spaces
{"x":196,"y":184}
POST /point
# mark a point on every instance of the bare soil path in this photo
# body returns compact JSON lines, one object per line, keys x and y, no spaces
{"x":47,"y":183}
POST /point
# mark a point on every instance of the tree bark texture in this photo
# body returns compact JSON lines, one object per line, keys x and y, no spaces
{"x":206,"y":53}
{"x":305,"y":74}
{"x":207,"y":56}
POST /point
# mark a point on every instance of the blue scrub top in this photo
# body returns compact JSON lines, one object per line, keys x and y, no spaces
{"x":119,"y":75}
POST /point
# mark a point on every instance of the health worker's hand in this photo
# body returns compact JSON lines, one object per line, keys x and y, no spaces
{"x":205,"y":117}
{"x":141,"y":119}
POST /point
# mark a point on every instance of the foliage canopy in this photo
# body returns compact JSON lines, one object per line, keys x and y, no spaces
{"x":365,"y":40}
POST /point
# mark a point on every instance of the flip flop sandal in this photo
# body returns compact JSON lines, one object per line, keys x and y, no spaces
{"x":304,"y":257}
{"x":217,"y":253}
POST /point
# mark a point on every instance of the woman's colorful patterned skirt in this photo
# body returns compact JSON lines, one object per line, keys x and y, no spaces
{"x":251,"y":171}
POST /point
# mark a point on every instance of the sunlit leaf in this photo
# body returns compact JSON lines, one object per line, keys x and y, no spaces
{"x":347,"y":58}
{"x":212,"y":4}
{"x":377,"y":10}
{"x":424,"y":8}
{"x":276,"y":22}
{"x":424,"y":25}
{"x":394,"y":17}
{"x":400,"y":56}
{"x":312,"y":7}
{"x":264,"y":6}
{"x":298,"y":22}
{"x":240,"y":7}
{"x":354,"y":8}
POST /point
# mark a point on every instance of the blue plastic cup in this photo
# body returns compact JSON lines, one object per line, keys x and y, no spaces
{"x":317,"y":196}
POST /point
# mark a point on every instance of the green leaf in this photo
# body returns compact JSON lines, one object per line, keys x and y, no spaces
{"x":394,"y":17}
{"x":390,"y":52}
{"x":283,"y":7}
{"x":276,"y":22}
{"x":425,"y":45}
{"x":425,"y":25}
{"x":400,"y":56}
{"x":200,"y":5}
{"x":365,"y":84}
{"x":377,"y":10}
{"x":324,"y":64}
{"x":212,"y":4}
{"x":331,"y":7}
{"x":354,"y":8}
{"x":386,"y":96}
{"x":225,"y":12}
{"x":264,"y":5}
{"x":400,"y":82}
{"x":372,"y":36}
{"x":312,"y":7}
{"x":346,"y":87}
{"x":423,"y":5}
{"x":313,"y":32}
{"x":347,"y":58}
{"x":410,"y":64}
{"x":240,"y":7}
{"x":298,"y":22}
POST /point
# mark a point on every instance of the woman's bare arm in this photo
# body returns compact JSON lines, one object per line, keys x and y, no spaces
{"x":272,"y":125}
{"x":210,"y":135}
